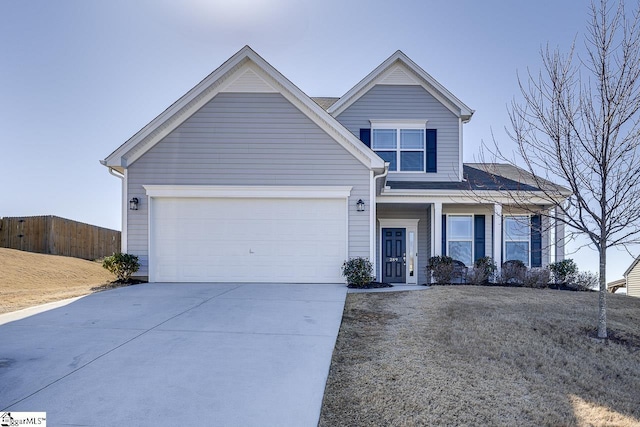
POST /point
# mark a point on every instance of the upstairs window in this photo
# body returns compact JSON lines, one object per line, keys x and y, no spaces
{"x":403,"y":144}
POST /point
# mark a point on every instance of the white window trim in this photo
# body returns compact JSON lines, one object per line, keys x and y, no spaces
{"x":410,"y":225}
{"x":527,"y":219}
{"x":472,"y":240}
{"x":399,"y":125}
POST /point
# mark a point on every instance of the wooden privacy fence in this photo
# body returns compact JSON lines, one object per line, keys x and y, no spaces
{"x":58,"y":236}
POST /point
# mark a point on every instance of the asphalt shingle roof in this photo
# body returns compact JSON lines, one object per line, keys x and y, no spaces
{"x":483,"y":177}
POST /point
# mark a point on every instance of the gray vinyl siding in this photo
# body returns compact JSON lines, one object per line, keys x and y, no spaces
{"x":633,"y":281}
{"x":402,"y":211}
{"x":410,"y":102}
{"x":248,"y":139}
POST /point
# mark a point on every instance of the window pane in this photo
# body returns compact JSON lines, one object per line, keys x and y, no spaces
{"x":384,"y":139}
{"x":517,"y":250}
{"x":388,"y":156}
{"x":412,"y":161}
{"x":516,"y":228}
{"x":460,"y":227}
{"x":460,"y":251}
{"x":412,"y":138}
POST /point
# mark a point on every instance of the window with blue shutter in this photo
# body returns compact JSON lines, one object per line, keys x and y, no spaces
{"x":479,"y":236}
{"x":365,"y":137}
{"x":444,"y":234}
{"x":432,"y":150}
{"x":536,"y":241}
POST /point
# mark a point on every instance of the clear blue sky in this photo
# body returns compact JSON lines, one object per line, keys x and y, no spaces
{"x":78,"y":78}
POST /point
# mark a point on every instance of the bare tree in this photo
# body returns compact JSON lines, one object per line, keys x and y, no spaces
{"x":578,"y":125}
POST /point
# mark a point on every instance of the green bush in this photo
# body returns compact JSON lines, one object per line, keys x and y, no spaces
{"x":358,"y":272}
{"x":482,"y":272}
{"x":122,"y":265}
{"x":584,"y":281}
{"x":537,"y":278}
{"x":513,"y":272}
{"x":564,"y":271}
{"x":441,"y":269}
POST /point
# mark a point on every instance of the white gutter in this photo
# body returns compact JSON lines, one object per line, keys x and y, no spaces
{"x":372,"y":218}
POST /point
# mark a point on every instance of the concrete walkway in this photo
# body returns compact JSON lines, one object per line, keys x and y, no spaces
{"x":176,"y":354}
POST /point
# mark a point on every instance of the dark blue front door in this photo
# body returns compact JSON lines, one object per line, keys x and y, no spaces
{"x":394,"y":255}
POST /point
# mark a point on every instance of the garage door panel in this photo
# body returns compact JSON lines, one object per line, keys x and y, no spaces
{"x":270,"y":240}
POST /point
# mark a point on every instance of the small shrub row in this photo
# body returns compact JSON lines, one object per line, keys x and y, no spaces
{"x":444,"y":270}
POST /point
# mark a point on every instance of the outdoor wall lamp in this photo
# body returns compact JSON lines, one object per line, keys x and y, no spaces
{"x":360,"y":205}
{"x":133,"y":204}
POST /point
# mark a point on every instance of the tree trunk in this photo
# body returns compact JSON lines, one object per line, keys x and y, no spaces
{"x":602,"y":297}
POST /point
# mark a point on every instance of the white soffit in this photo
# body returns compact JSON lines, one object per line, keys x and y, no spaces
{"x":398,"y":75}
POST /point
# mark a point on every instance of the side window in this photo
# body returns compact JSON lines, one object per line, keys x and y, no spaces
{"x":517,"y":237}
{"x":460,"y":238}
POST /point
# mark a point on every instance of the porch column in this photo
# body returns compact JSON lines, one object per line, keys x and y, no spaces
{"x":497,"y":234}
{"x":560,"y":242}
{"x":436,"y":228}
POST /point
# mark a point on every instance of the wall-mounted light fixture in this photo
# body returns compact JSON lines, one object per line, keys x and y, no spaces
{"x":133,"y":204}
{"x":360,"y":205}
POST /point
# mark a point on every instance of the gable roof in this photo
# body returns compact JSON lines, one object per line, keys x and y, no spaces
{"x":245,"y":71}
{"x":399,"y":69}
{"x":632,"y":266}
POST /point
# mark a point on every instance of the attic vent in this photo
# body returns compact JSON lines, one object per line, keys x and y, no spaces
{"x":398,"y":75}
{"x":248,"y":80}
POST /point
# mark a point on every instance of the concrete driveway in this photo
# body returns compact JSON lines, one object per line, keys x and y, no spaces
{"x":176,"y":354}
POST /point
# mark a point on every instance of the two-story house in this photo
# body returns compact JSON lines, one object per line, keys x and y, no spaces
{"x":247,"y":179}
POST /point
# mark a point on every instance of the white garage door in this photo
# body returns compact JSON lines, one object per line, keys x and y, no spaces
{"x":247,"y":240}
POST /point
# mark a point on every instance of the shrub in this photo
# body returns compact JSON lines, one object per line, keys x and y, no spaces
{"x":358,"y":272}
{"x":482,"y":272}
{"x":537,"y":278}
{"x":513,"y":272}
{"x":564,"y":271}
{"x":441,"y":269}
{"x":584,"y":281}
{"x":122,"y":265}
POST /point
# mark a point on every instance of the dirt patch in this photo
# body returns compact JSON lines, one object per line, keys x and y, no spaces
{"x":483,"y":356}
{"x":28,"y":279}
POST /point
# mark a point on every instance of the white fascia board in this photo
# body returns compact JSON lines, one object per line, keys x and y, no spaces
{"x":207,"y":89}
{"x":248,"y":191}
{"x":430,"y":84}
{"x":116,"y":158}
{"x":443,"y":196}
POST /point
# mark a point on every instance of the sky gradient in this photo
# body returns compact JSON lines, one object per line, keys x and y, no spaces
{"x":78,"y":78}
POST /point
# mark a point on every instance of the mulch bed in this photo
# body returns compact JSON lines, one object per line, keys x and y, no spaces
{"x":371,"y":285}
{"x":117,"y":284}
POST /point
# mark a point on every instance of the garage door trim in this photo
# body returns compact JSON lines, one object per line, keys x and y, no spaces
{"x":251,"y":191}
{"x":160,"y":192}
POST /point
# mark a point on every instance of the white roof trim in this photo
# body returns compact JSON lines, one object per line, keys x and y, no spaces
{"x":386,"y":71}
{"x":233,"y":69}
{"x":248,"y":191}
{"x":631,"y":267}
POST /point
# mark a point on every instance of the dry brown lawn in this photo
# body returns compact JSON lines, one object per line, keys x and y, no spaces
{"x":28,"y":279}
{"x":482,"y":356}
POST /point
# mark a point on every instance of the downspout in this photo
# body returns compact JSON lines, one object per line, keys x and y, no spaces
{"x":373,"y":222}
{"x":123,"y":218}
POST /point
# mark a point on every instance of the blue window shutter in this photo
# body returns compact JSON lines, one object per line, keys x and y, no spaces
{"x":432,"y":151}
{"x":536,"y":241}
{"x":444,"y":234}
{"x":479,"y":238}
{"x":365,"y":137}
